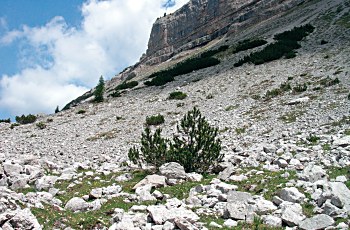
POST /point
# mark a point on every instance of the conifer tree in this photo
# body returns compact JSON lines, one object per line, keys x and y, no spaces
{"x":99,"y":90}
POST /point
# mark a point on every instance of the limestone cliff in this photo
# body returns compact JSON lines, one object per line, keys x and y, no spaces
{"x":201,"y":21}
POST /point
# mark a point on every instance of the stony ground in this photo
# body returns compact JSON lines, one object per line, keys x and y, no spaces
{"x":287,"y":156}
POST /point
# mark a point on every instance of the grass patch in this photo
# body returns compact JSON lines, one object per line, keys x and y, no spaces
{"x":231,"y":107}
{"x":240,"y":131}
{"x":291,"y":117}
{"x":265,"y":184}
{"x":181,"y":191}
{"x":327,"y":82}
{"x":155,"y":120}
{"x":177,"y":95}
{"x":313,"y":139}
{"x":326,"y":147}
{"x":333,"y":172}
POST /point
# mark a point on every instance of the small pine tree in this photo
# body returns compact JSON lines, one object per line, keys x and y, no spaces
{"x":99,"y":90}
{"x":57,"y":109}
{"x":196,"y":146}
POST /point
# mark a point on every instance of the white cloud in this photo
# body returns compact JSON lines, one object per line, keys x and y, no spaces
{"x":58,"y":62}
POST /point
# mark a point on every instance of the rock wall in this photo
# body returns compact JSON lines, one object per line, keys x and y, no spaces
{"x":201,"y":21}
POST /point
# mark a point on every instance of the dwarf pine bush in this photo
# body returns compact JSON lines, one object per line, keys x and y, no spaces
{"x":195,"y":146}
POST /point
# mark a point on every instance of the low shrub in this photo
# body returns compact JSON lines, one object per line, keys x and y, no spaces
{"x":187,"y":66}
{"x":273,"y":93}
{"x":41,"y":125}
{"x":155,"y":120}
{"x":313,"y":139}
{"x":78,"y":100}
{"x":115,"y":94}
{"x":5,"y":120}
{"x":177,"y":95}
{"x":300,"y":88}
{"x":81,"y":111}
{"x":249,"y":44}
{"x":211,"y":53}
{"x":25,"y":119}
{"x":195,"y":146}
{"x":127,"y":85}
{"x":327,"y":82}
{"x":13,"y":125}
{"x":285,"y":46}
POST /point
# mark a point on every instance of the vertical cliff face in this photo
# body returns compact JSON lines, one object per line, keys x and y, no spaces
{"x":201,"y":21}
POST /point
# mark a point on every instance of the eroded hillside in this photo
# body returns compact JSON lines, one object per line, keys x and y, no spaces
{"x":284,"y":126}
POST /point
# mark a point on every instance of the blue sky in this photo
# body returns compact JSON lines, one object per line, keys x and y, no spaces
{"x":54,"y":50}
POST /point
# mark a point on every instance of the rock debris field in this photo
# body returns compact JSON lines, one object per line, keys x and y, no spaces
{"x":286,"y":156}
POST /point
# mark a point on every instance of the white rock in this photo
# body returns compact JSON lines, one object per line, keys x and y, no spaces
{"x":12,"y":169}
{"x":272,"y":220}
{"x":313,"y":173}
{"x":316,"y":222}
{"x":342,"y":192}
{"x":344,"y":141}
{"x":155,"y":180}
{"x":77,"y":204}
{"x":45,"y":182}
{"x":292,"y":195}
{"x":230,"y":223}
{"x":194,"y":177}
{"x":341,"y":179}
{"x":292,"y":213}
{"x":237,"y":178}
{"x":173,"y":170}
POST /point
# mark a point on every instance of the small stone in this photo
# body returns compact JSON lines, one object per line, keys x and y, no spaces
{"x":77,"y":204}
{"x":215,"y":225}
{"x":230,"y":223}
{"x":272,"y":221}
{"x":341,"y":179}
{"x":196,"y":177}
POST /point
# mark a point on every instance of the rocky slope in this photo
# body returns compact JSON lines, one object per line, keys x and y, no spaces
{"x":201,"y":21}
{"x":287,"y":156}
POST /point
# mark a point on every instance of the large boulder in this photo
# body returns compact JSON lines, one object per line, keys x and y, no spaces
{"x":77,"y":204}
{"x":237,"y":207}
{"x":321,"y":221}
{"x":160,"y":214}
{"x":24,"y":219}
{"x":292,"y":195}
{"x":155,"y":180}
{"x":45,"y":182}
{"x":12,"y":169}
{"x":292,"y":213}
{"x":173,"y":170}
{"x":341,"y":194}
{"x":313,"y":173}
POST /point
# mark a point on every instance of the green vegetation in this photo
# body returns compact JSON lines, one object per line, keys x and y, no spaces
{"x":155,"y":120}
{"x":25,"y":119}
{"x":333,"y":172}
{"x":300,"y":88}
{"x":81,"y":111}
{"x":264,"y":184}
{"x":57,"y":110}
{"x":326,"y":147}
{"x":284,"y":87}
{"x":196,"y":146}
{"x":240,"y":131}
{"x":327,"y":82}
{"x":285,"y":45}
{"x":78,"y":100}
{"x":344,"y":20}
{"x":231,"y":107}
{"x":13,"y":125}
{"x":98,"y":93}
{"x":347,"y":132}
{"x":177,"y":95}
{"x":249,"y":44}
{"x":187,"y":66}
{"x":211,"y":53}
{"x":5,"y":120}
{"x":127,"y":85}
{"x":49,"y":217}
{"x":313,"y":139}
{"x":41,"y":125}
{"x":115,"y":94}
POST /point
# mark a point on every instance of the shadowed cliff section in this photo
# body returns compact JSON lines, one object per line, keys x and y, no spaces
{"x":200,"y":21}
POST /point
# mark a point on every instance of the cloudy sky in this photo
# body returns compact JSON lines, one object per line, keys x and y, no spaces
{"x":52,"y":51}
